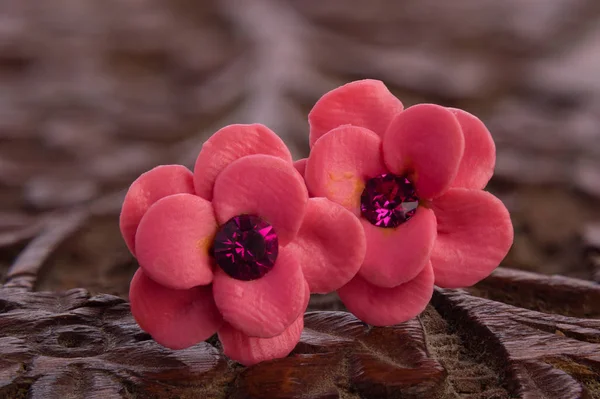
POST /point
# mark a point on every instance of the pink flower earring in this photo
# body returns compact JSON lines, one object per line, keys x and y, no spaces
{"x":414,"y":177}
{"x":234,"y":248}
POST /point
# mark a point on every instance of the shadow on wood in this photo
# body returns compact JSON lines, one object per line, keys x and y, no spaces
{"x":463,"y":346}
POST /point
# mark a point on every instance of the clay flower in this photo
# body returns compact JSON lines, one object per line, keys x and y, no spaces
{"x":414,"y":177}
{"x":235,"y":247}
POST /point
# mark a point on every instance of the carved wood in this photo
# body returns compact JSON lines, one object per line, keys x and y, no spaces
{"x":463,"y":346}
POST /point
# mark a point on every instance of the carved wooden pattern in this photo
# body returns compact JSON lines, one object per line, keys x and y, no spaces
{"x":53,"y":345}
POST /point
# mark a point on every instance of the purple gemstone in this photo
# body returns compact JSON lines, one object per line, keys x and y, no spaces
{"x":388,"y":200}
{"x":246,"y":247}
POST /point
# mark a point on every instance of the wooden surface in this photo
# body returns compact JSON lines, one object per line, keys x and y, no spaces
{"x":90,"y":99}
{"x":93,"y":95}
{"x":545,"y":345}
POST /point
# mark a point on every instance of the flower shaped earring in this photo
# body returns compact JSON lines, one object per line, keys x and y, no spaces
{"x":234,"y":248}
{"x":414,"y":177}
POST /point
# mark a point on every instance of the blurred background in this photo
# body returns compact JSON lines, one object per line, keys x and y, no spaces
{"x":95,"y":92}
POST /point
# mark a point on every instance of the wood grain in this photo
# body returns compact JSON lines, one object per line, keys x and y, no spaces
{"x":53,"y":345}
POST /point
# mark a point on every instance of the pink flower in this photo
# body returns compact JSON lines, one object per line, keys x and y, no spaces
{"x":436,"y":158}
{"x":207,"y":266}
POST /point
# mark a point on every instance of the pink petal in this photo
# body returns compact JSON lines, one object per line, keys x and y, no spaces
{"x":251,"y":350}
{"x":174,"y":239}
{"x":264,"y":307}
{"x":330,"y":245}
{"x":230,"y":143}
{"x":365,"y":103}
{"x":300,"y":166}
{"x":395,"y":256}
{"x":388,"y":306}
{"x":340,"y":163}
{"x":477,"y":164}
{"x":265,"y":186}
{"x":426,"y":142}
{"x":474,"y":235}
{"x":174,"y":318}
{"x":153,"y":185}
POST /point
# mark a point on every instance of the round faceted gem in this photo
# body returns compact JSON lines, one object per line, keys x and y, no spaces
{"x":388,"y":200}
{"x":246,"y":247}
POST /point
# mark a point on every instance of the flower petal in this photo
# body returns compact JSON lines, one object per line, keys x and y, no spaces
{"x":230,"y":143}
{"x":365,"y":103}
{"x":251,"y":350}
{"x":474,"y":235}
{"x":151,"y":186}
{"x":477,"y":164}
{"x":265,"y":186}
{"x":330,"y":245}
{"x":176,"y":319}
{"x":300,"y":166}
{"x":267,"y":306}
{"x":388,"y":306}
{"x":426,"y":142}
{"x":174,"y":239}
{"x":340,"y":163}
{"x":395,"y":256}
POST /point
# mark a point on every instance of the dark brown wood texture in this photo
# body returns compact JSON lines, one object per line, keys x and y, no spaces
{"x":89,"y":99}
{"x":71,"y":344}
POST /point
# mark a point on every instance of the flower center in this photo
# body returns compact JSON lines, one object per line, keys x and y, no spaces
{"x":388,"y":200}
{"x":246,"y":247}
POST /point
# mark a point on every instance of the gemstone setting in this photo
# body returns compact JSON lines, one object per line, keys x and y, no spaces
{"x":246,"y":247}
{"x":388,"y":200}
